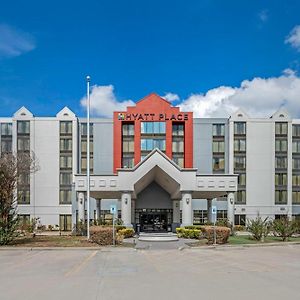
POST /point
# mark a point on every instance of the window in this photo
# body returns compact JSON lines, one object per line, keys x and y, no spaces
{"x":84,"y":146}
{"x":65,"y":197}
{"x":65,"y":144}
{"x":222,"y":215}
{"x":281,"y":128}
{"x":128,"y":162}
{"x":179,"y":161}
{"x":23,"y":127}
{"x":280,"y":179}
{"x":200,"y":217}
{"x":6,"y":129}
{"x":23,"y":197}
{"x":240,"y":162}
{"x":83,"y":129}
{"x":296,"y":146}
{"x":23,"y":144}
{"x":178,"y":129}
{"x":66,"y":127}
{"x":66,"y":161}
{"x":240,"y":128}
{"x":178,"y":146}
{"x":240,"y":145}
{"x":280,"y":197}
{"x":240,"y":220}
{"x":296,"y":180}
{"x":128,"y":129}
{"x":280,"y":145}
{"x":84,"y":164}
{"x":296,"y":163}
{"x":241,"y":197}
{"x":218,"y":129}
{"x":296,"y":197}
{"x":296,"y":130}
{"x":65,"y":222}
{"x":218,"y":146}
{"x":280,"y":162}
{"x":65,"y":178}
{"x":6,"y":146}
{"x":128,"y":146}
{"x":218,"y":163}
{"x":150,"y":144}
{"x":242,"y":179}
{"x":24,"y":219}
{"x":153,"y":127}
{"x":24,"y":179}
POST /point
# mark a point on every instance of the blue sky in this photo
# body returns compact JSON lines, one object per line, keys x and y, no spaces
{"x":212,"y":56}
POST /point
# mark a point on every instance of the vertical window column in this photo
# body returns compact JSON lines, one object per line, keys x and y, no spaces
{"x":6,"y":138}
{"x":23,"y":146}
{"x":127,"y":145}
{"x":281,"y":158}
{"x":65,"y":165}
{"x":218,"y":148}
{"x":240,"y":160}
{"x":178,"y":144}
{"x":83,"y":148}
{"x":296,"y":164}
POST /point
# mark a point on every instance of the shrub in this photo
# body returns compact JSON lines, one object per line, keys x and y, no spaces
{"x":259,"y":228}
{"x":239,"y":228}
{"x":222,"y":234}
{"x":284,"y":228}
{"x":193,"y":227}
{"x":126,"y":232}
{"x":103,"y":235}
{"x":120,"y":227}
{"x":223,"y":223}
{"x":188,"y":233}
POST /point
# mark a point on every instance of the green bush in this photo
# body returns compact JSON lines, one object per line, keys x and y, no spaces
{"x":239,"y":228}
{"x":259,"y":228}
{"x":126,"y":232}
{"x":284,"y":228}
{"x":103,"y":235}
{"x":222,"y":234}
{"x":223,"y":223}
{"x":184,"y":232}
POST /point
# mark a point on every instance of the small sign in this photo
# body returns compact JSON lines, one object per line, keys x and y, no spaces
{"x":113,"y":209}
{"x":213,"y":210}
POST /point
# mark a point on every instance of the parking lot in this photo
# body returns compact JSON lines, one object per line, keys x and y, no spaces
{"x":125,"y":273}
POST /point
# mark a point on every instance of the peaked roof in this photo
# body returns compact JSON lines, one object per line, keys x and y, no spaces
{"x":23,"y":112}
{"x":281,"y":113}
{"x":65,"y":113}
{"x":239,"y":114}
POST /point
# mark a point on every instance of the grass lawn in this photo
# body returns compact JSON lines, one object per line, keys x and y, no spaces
{"x":52,"y":241}
{"x":241,"y":240}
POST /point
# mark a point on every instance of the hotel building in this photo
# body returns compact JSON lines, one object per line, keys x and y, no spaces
{"x":162,"y":167}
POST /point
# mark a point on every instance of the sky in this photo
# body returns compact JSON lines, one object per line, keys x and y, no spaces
{"x":210,"y":56}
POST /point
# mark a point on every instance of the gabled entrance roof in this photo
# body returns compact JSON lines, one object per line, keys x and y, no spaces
{"x":159,"y":168}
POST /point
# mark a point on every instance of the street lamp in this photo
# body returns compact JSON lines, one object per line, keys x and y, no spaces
{"x":88,"y":79}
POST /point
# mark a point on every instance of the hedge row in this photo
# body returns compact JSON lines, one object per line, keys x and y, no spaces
{"x":207,"y":232}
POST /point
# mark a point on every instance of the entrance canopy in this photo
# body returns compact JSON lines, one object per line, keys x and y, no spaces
{"x":159,"y":168}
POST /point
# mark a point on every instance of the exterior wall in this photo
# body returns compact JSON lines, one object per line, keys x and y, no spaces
{"x":260,"y":160}
{"x":153,"y":196}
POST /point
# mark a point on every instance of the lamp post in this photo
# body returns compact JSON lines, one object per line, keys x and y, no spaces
{"x":88,"y":79}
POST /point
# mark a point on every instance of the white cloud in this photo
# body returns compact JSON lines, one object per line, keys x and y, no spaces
{"x":294,"y":38}
{"x":14,"y":42}
{"x":171,"y":97}
{"x":263,"y":15}
{"x":104,"y":101}
{"x":260,"y":97}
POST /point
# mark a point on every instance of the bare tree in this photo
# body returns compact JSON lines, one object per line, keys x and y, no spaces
{"x":13,"y":169}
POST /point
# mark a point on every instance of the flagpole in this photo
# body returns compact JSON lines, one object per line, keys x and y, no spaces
{"x":88,"y":79}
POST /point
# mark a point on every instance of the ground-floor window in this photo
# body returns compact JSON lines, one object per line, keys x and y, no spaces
{"x":200,"y":217}
{"x":221,"y":215}
{"x":277,"y":217}
{"x":24,"y":221}
{"x":65,"y":222}
{"x":240,"y":220}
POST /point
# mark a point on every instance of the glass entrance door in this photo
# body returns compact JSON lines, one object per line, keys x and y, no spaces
{"x":154,"y":221}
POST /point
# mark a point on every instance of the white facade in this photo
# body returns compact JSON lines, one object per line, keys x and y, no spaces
{"x":260,"y":169}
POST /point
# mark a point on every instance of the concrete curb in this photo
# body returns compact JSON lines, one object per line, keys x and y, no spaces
{"x":101,"y":249}
{"x":244,"y":245}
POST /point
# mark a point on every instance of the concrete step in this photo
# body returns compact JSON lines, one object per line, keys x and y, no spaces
{"x":158,"y":237}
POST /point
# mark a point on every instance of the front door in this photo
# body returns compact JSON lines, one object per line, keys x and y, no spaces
{"x":154,"y":221}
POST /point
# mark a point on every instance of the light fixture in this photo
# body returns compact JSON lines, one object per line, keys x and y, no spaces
{"x":187,"y":200}
{"x":126,"y":201}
